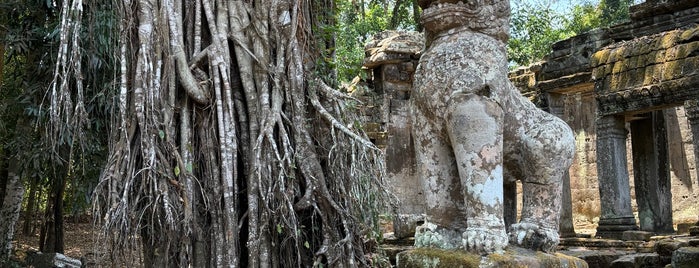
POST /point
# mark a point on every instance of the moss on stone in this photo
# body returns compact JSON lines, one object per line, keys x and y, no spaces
{"x":512,"y":258}
{"x":437,"y":258}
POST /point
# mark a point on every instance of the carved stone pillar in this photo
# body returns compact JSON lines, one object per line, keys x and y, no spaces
{"x":613,"y":176}
{"x":652,"y":173}
{"x":691,"y":109}
{"x":566,"y":228}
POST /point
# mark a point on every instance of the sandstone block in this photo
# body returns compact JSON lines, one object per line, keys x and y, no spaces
{"x":686,"y":257}
{"x":513,"y":257}
{"x":666,"y":247}
{"x":636,"y":236}
{"x":637,"y":261}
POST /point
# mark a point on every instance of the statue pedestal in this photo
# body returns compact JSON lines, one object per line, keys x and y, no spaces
{"x":513,"y":257}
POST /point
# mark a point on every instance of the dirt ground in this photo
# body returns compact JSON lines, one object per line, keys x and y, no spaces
{"x":81,"y":242}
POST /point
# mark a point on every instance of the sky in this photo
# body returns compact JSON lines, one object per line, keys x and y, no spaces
{"x":559,"y":5}
{"x":562,"y":5}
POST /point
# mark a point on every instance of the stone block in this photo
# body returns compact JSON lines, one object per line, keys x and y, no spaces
{"x":694,"y":231}
{"x":404,"y":224}
{"x":513,"y":257}
{"x":637,"y":261}
{"x":597,"y":258}
{"x":52,"y":260}
{"x":666,"y":247}
{"x":683,"y":228}
{"x":636,"y":236}
{"x":686,"y":257}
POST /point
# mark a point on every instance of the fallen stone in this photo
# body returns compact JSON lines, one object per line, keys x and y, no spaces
{"x":694,"y":230}
{"x":636,"y":236}
{"x":597,"y":258}
{"x":686,"y":257}
{"x":638,"y":260}
{"x":666,"y":247}
{"x":513,"y":257}
{"x":53,"y":260}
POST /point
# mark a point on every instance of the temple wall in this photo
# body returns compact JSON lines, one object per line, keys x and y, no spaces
{"x":568,"y":83}
{"x":648,"y":46}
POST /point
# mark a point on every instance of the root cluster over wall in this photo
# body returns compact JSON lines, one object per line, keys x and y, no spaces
{"x":226,"y":146}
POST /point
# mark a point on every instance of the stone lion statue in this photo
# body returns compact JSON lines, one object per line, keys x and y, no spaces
{"x":474,"y":131}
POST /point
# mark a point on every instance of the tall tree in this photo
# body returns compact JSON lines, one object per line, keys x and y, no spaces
{"x":227,"y":147}
{"x":25,"y":46}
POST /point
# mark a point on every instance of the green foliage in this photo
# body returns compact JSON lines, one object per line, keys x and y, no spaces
{"x":358,"y":21}
{"x":535,"y":26}
{"x":533,"y":29}
{"x":614,"y":11}
{"x":29,"y":33}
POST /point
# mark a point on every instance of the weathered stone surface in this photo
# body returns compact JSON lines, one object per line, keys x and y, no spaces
{"x":639,"y":260}
{"x":391,"y":58}
{"x":614,"y":191}
{"x":686,"y":257}
{"x":404,"y":224}
{"x":473,"y":129}
{"x":56,"y":260}
{"x":694,"y":231}
{"x":513,"y":257}
{"x":567,"y":71}
{"x":651,"y":8}
{"x":683,"y":228}
{"x":667,"y":247}
{"x":597,"y":258}
{"x":595,"y":243}
{"x":636,"y":236}
{"x":392,"y":47}
{"x":649,"y":71}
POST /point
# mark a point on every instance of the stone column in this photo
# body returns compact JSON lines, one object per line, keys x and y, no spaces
{"x":691,"y":109}
{"x":566,"y":228}
{"x":652,"y":173}
{"x":613,"y":176}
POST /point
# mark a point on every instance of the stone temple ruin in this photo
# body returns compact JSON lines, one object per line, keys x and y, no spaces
{"x":629,"y":92}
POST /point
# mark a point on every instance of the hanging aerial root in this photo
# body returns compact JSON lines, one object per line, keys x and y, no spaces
{"x":316,"y":104}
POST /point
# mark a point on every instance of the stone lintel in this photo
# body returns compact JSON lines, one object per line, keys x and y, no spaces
{"x":513,"y":257}
{"x":664,"y":94}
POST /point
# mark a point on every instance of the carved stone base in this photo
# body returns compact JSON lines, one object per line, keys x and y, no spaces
{"x":615,"y":228}
{"x":513,"y":257}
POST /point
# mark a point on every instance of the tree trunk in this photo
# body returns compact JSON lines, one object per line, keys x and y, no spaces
{"x":227,"y":148}
{"x":10,"y":209}
{"x":52,"y":239}
{"x":30,"y":209}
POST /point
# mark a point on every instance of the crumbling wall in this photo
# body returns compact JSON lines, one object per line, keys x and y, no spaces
{"x":391,"y":60}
